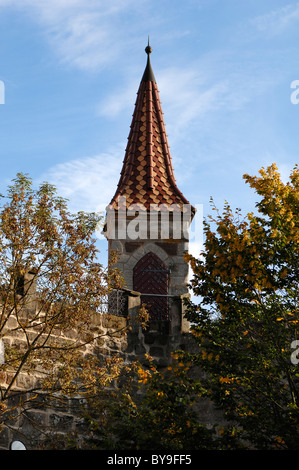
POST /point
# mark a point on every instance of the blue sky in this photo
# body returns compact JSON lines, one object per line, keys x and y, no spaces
{"x":71,"y":70}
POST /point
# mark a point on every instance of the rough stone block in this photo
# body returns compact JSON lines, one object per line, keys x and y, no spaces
{"x":157,"y":351}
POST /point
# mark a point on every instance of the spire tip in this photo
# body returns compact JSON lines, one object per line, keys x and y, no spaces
{"x":148,"y":48}
{"x":148,"y":75}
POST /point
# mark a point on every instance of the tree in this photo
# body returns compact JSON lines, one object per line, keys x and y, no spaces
{"x":246,"y":319}
{"x":52,"y":286}
{"x":151,"y":409}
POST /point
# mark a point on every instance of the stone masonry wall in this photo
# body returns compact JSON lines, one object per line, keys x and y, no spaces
{"x":112,"y":340}
{"x":119,"y":335}
{"x":116,"y":339}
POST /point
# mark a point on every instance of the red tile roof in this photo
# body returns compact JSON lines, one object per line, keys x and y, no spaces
{"x":147,"y":174}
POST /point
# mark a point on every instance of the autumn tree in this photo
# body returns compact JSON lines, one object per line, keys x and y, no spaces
{"x":151,"y":410}
{"x":52,"y":286}
{"x":247,"y":314}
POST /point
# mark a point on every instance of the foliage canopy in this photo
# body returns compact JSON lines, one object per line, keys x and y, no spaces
{"x":246,"y":320}
{"x":52,"y":286}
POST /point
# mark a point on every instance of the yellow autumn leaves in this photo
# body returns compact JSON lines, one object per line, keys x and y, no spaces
{"x":144,"y":375}
{"x":209,"y":356}
{"x":242,"y":251}
{"x":246,"y":316}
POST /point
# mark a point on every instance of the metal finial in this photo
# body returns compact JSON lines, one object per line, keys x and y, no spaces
{"x":148,"y":48}
{"x":148,"y":73}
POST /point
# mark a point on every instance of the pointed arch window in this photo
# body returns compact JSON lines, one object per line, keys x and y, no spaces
{"x":151,"y":279}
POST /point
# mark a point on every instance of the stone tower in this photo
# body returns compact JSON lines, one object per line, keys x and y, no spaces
{"x":148,"y":217}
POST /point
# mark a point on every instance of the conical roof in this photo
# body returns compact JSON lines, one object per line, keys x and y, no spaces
{"x":147,"y":175}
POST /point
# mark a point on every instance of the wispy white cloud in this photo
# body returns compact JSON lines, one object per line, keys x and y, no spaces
{"x":114,"y":104}
{"x":88,"y":183}
{"x":89,"y":35}
{"x":191,"y":94}
{"x":277,"y":21}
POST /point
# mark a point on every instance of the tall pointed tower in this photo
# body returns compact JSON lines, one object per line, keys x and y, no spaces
{"x":148,"y":217}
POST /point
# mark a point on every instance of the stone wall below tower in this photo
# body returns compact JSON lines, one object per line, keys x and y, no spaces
{"x":121,"y":336}
{"x":159,"y":339}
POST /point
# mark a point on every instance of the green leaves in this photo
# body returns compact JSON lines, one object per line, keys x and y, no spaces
{"x":160,"y":414}
{"x":248,"y":314}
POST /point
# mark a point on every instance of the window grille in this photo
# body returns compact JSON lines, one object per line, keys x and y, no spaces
{"x":115,"y":303}
{"x":151,"y":278}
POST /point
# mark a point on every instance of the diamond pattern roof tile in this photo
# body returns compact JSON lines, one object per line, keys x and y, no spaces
{"x":147,"y":175}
